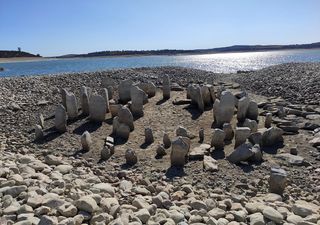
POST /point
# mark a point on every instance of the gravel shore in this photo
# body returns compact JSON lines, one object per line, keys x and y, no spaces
{"x":53,"y":182}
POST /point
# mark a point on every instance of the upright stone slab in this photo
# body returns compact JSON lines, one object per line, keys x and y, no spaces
{"x":224,"y":109}
{"x":271,"y":137}
{"x":198,"y":98}
{"x":86,"y":141}
{"x":38,"y":133}
{"x":97,"y":106}
{"x":60,"y":119}
{"x":227,"y":128}
{"x":105,"y":95}
{"x":131,"y":157}
{"x":125,"y":116}
{"x":166,"y":88}
{"x":108,"y":83}
{"x":253,"y":111}
{"x":40,"y":120}
{"x":149,"y":88}
{"x":268,"y":120}
{"x":277,"y":180}
{"x":241,"y":135}
{"x":148,"y":135}
{"x":84,"y":100}
{"x":63,"y":93}
{"x":166,"y":140}
{"x":137,"y":96}
{"x":217,"y":139}
{"x":124,"y":90}
{"x":243,"y":105}
{"x":72,"y":105}
{"x":252,"y":124}
{"x":179,"y":151}
{"x":212,"y":93}
{"x":201,"y":135}
{"x":206,"y":96}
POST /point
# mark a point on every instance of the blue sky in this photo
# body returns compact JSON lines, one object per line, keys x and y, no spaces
{"x":56,"y":27}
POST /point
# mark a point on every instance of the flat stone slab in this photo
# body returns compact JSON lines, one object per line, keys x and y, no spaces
{"x":292,"y":159}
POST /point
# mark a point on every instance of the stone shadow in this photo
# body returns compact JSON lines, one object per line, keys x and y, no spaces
{"x":49,"y":135}
{"x":272,"y":149}
{"x":161,"y":101}
{"x":174,"y":171}
{"x":118,"y":140}
{"x":79,"y":117}
{"x":246,"y":167}
{"x":195,"y":113}
{"x":87,"y":126}
{"x":218,"y":154}
{"x":145,"y":145}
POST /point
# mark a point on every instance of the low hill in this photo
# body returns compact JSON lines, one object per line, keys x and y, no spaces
{"x":235,"y":48}
{"x":12,"y":54}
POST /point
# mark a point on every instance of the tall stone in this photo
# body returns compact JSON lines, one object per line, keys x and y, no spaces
{"x":252,"y":124}
{"x":243,"y":105}
{"x":131,"y":157}
{"x":212,"y":93}
{"x":241,"y":135}
{"x":149,"y":88}
{"x":121,"y":130}
{"x":63,"y":93}
{"x":268,"y":120}
{"x":137,"y":96}
{"x":60,"y":119}
{"x":277,"y":181}
{"x":166,"y":87}
{"x":166,"y":140}
{"x":38,"y":132}
{"x":179,"y":151}
{"x":271,"y":137}
{"x":227,"y":128}
{"x":253,"y":111}
{"x":72,"y":105}
{"x":124,"y":90}
{"x":97,"y":108}
{"x":224,"y":109}
{"x":217,"y":139}
{"x":84,"y":100}
{"x":108,"y":83}
{"x":86,"y":141}
{"x":206,"y":96}
{"x":40,"y":120}
{"x":148,"y":135}
{"x":201,"y":135}
{"x":196,"y":97}
{"x":125,"y":116}
{"x":105,"y":95}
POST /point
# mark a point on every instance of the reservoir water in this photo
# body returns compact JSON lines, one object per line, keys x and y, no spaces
{"x":220,"y":63}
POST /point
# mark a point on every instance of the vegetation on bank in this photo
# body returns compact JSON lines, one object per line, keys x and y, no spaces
{"x":12,"y":54}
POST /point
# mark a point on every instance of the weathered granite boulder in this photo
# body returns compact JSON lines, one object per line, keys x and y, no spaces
{"x":252,"y":124}
{"x":161,"y":151}
{"x":183,"y":132}
{"x":137,"y":96}
{"x":97,"y":108}
{"x":63,"y":93}
{"x":223,"y":110}
{"x":131,"y":157}
{"x":122,"y":130}
{"x":149,"y":88}
{"x":38,"y":132}
{"x":114,"y":109}
{"x":253,"y":111}
{"x":277,"y":181}
{"x":268,"y":120}
{"x":125,"y":116}
{"x":272,"y":136}
{"x":109,"y":83}
{"x":241,"y":135}
{"x":60,"y":119}
{"x":124,"y":90}
{"x":72,"y":105}
{"x":217,"y":139}
{"x":212,"y":92}
{"x":148,"y":135}
{"x":179,"y":151}
{"x":243,"y":105}
{"x":195,"y":92}
{"x":241,"y":153}
{"x":105,"y":95}
{"x":86,"y":141}
{"x":206,"y":95}
{"x":84,"y":95}
{"x":210,"y":164}
{"x":257,"y":154}
{"x":255,"y":138}
{"x":166,"y":140}
{"x":166,"y":88}
{"x":227,"y":128}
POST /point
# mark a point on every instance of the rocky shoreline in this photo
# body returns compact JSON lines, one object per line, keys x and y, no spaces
{"x":51,"y":181}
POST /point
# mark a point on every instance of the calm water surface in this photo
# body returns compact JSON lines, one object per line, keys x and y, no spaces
{"x":220,"y":63}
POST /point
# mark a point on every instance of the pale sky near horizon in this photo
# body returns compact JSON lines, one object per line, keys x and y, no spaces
{"x":57,"y":27}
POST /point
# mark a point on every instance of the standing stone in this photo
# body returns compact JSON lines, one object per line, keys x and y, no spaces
{"x":84,"y":100}
{"x":268,"y":120}
{"x":123,"y":131}
{"x":149,"y":88}
{"x":253,"y":111}
{"x":115,"y":124}
{"x":72,"y":105}
{"x":212,"y":92}
{"x":109,"y":83}
{"x":277,"y":181}
{"x":40,"y":120}
{"x":201,"y":135}
{"x":97,"y":108}
{"x":131,"y":157}
{"x":114,"y":109}
{"x":86,"y":141}
{"x":206,"y":96}
{"x":38,"y":132}
{"x":166,"y":87}
{"x":124,"y":90}
{"x":243,"y":105}
{"x":137,"y":96}
{"x":223,"y":110}
{"x":148,"y":135}
{"x":181,"y":131}
{"x":105,"y":153}
{"x":272,"y":136}
{"x":217,"y":140}
{"x":179,"y":151}
{"x":227,"y":128}
{"x":105,"y":95}
{"x":257,"y":154}
{"x":125,"y":116}
{"x":241,"y":135}
{"x":252,"y":124}
{"x":161,"y":151}
{"x":60,"y":119}
{"x":166,"y":140}
{"x":241,"y":153}
{"x":64,"y":93}
{"x":198,"y":98}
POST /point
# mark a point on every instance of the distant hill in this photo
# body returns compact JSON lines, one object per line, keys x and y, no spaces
{"x":235,"y":48}
{"x":11,"y":54}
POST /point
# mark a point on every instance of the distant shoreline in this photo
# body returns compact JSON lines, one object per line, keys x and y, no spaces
{"x":32,"y":59}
